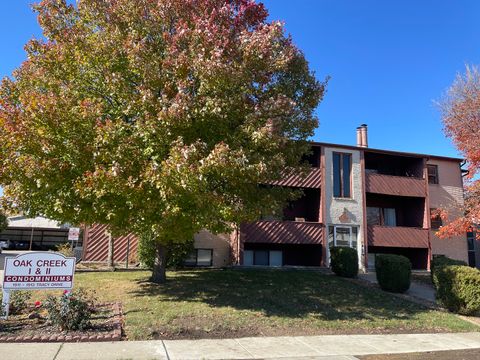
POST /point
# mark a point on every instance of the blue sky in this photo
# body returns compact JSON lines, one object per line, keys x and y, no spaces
{"x":389,"y":60}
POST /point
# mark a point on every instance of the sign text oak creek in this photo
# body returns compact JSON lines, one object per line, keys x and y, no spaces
{"x":39,"y":270}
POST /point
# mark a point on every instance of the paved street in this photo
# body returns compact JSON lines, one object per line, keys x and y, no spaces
{"x":333,"y":347}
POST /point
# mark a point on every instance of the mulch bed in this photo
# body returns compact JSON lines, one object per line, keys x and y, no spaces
{"x":106,"y":325}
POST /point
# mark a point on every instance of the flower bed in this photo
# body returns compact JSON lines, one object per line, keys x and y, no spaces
{"x":106,"y":325}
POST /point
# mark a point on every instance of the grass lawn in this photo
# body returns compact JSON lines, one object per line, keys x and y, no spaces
{"x":238,"y":303}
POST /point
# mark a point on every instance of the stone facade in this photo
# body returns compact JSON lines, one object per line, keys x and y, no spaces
{"x":345,"y":211}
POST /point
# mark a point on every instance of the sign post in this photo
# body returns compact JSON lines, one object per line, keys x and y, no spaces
{"x":73,"y":234}
{"x":37,"y":271}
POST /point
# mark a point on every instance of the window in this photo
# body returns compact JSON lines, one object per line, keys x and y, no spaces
{"x":389,"y":217}
{"x":342,"y":171}
{"x":263,"y":257}
{"x":343,"y":236}
{"x":435,"y":219}
{"x":471,"y":238}
{"x":373,"y":216}
{"x":276,"y":258}
{"x":432,"y":174}
{"x":199,"y":257}
{"x":381,"y":216}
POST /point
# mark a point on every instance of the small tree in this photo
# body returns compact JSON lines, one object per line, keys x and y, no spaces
{"x":157,"y":116}
{"x":461,"y":117}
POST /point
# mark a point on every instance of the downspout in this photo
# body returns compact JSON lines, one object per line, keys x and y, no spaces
{"x":427,"y":218}
{"x":364,"y":210}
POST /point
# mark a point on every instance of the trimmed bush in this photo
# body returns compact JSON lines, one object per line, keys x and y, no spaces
{"x":458,"y":289}
{"x":393,"y":272}
{"x":440,"y":261}
{"x":344,"y":261}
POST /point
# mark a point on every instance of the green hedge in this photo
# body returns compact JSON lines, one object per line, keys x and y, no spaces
{"x":440,"y":261}
{"x":344,"y":261}
{"x":458,"y":288}
{"x":393,"y":272}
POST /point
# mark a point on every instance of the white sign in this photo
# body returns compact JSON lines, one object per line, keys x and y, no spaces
{"x":38,"y":271}
{"x":73,"y":234}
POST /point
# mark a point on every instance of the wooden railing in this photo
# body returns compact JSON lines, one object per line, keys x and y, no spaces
{"x":396,"y":236}
{"x":313,"y":179}
{"x":395,"y":185}
{"x":282,"y":232}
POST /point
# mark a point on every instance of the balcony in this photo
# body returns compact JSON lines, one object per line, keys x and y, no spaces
{"x":282,"y":232}
{"x":395,"y":185}
{"x":405,"y":237}
{"x":312,"y":180}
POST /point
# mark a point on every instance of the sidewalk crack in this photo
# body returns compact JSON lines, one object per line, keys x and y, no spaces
{"x":164,"y":348}
{"x":308,"y":346}
{"x":58,"y":351}
{"x":244,"y":348}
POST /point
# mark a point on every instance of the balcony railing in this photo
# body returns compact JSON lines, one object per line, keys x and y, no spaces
{"x":282,"y":232}
{"x":405,"y":237}
{"x":313,"y":179}
{"x":395,"y":185}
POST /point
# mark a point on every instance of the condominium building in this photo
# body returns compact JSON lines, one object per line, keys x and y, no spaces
{"x":376,"y":201}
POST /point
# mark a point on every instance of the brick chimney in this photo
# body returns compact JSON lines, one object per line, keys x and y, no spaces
{"x":362,"y":136}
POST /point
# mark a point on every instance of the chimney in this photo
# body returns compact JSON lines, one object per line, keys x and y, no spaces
{"x":362,"y":136}
{"x":359,"y":136}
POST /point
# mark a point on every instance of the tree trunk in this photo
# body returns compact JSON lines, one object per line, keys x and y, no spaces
{"x":110,"y":260}
{"x":158,"y":273}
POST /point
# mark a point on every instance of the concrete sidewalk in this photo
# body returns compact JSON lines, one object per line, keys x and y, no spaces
{"x":333,"y":347}
{"x":417,"y":290}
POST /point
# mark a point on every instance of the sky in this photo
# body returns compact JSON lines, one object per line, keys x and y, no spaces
{"x":388,"y":62}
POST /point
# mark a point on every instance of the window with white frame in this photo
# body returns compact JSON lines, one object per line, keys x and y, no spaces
{"x":342,"y":235}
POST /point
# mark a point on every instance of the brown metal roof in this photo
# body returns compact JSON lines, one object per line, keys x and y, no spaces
{"x":405,"y":237}
{"x":282,"y":232}
{"x":390,"y":152}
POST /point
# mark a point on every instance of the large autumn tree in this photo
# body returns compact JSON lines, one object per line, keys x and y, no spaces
{"x":461,"y":117}
{"x":159,"y":116}
{"x":3,"y":221}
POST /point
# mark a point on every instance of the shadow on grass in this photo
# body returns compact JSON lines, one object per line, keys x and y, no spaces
{"x":291,"y":294}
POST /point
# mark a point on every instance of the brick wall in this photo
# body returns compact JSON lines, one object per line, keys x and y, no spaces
{"x":220,"y":245}
{"x":448,"y":194}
